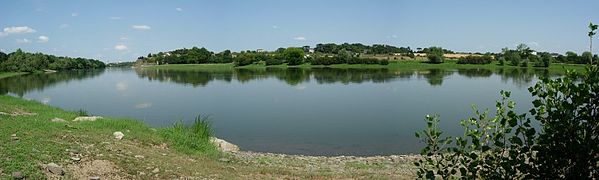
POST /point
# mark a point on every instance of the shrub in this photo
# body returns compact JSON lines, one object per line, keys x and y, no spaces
{"x":384,"y":62}
{"x":486,"y":59}
{"x":273,"y":61}
{"x":508,"y":147}
{"x":513,"y":57}
{"x":435,"y":55}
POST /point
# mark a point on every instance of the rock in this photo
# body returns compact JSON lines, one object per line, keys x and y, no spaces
{"x":224,"y":145}
{"x":118,"y":135}
{"x":17,"y":175}
{"x":75,"y":159}
{"x":223,"y":160}
{"x":87,"y":118}
{"x":58,"y":120}
{"x":94,"y":178}
{"x":54,"y":168}
{"x":156,"y":170}
{"x":139,"y":156}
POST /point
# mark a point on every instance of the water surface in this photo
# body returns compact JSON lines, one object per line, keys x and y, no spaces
{"x":318,"y":111}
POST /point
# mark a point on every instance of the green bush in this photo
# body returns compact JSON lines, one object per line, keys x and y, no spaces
{"x":435,"y":55}
{"x":486,"y":59}
{"x":508,"y":147}
{"x":273,"y":61}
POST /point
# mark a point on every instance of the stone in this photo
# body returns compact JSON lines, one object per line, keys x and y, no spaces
{"x":118,"y":135}
{"x":94,"y":178}
{"x":75,"y":159}
{"x":223,"y":160}
{"x":139,"y":156}
{"x":223,"y":145}
{"x":17,"y":175}
{"x":87,"y":118}
{"x":58,"y":120}
{"x":54,"y":169}
{"x":156,"y":170}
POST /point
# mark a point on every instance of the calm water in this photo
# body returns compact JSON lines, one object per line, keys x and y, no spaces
{"x":294,"y":111}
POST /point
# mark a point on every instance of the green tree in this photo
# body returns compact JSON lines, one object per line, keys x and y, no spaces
{"x":294,"y":56}
{"x":571,"y":57}
{"x":513,"y":57}
{"x":435,"y":55}
{"x":585,"y":58}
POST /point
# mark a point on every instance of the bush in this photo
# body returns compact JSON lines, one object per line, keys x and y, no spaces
{"x":294,"y":56}
{"x":244,"y":59}
{"x":513,"y":57}
{"x":324,"y":60}
{"x":273,"y":61}
{"x":486,"y":59}
{"x":384,"y":62}
{"x":508,"y":147}
{"x":435,"y":55}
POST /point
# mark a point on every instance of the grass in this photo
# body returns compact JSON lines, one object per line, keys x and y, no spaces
{"x":179,"y":152}
{"x":393,"y":65}
{"x":10,"y":74}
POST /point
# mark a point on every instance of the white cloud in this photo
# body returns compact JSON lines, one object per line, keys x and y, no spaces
{"x":42,"y":39}
{"x":16,"y":30}
{"x":275,"y":26}
{"x":179,"y":9}
{"x":300,"y":38}
{"x":141,"y":27}
{"x":124,"y":38}
{"x":120,"y":47}
{"x":115,"y":18}
{"x":62,"y":26}
{"x":23,"y":41}
{"x":74,"y":14}
{"x":394,"y":36}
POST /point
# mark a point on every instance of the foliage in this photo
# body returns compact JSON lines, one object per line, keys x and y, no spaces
{"x":273,"y":61}
{"x":486,"y":59}
{"x":508,"y":147}
{"x":294,"y":56}
{"x":244,"y":59}
{"x":20,"y":61}
{"x":332,"y":48}
{"x":585,"y":58}
{"x":513,"y":57}
{"x":568,"y":146}
{"x":545,"y":60}
{"x":435,"y":55}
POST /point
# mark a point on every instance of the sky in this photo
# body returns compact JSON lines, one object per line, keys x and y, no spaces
{"x":112,"y":30}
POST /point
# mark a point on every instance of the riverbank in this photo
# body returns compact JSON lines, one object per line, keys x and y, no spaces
{"x":33,"y":135}
{"x":393,"y":65}
{"x":10,"y":74}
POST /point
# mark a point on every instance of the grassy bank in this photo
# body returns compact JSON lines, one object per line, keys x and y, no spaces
{"x":9,"y":74}
{"x":393,"y":65}
{"x":29,"y":137}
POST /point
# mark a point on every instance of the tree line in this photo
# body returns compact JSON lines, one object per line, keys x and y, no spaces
{"x":20,"y":61}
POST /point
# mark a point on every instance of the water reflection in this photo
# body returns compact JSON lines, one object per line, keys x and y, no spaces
{"x":296,"y":76}
{"x":20,"y":85}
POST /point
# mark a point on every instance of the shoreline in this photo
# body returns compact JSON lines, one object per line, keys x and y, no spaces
{"x":35,"y":136}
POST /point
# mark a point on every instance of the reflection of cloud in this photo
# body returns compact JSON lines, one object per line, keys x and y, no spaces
{"x":121,"y":86}
{"x":46,"y":100}
{"x":142,"y":105}
{"x":300,"y":87}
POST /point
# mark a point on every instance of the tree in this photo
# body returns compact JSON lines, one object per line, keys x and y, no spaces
{"x":585,"y":58}
{"x":294,"y":56}
{"x":592,"y":32}
{"x":435,"y":55}
{"x":344,"y":56}
{"x":513,"y":57}
{"x":571,"y":57}
{"x":546,"y":59}
{"x":524,"y":50}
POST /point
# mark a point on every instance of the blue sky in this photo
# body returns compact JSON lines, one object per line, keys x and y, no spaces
{"x":122,"y":30}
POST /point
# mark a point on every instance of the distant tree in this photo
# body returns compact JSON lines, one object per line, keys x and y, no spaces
{"x":571,"y":57}
{"x":294,"y":56}
{"x":512,"y":56}
{"x":561,"y":58}
{"x":592,"y":32}
{"x":545,"y":60}
{"x":524,"y":50}
{"x":435,"y":55}
{"x":344,"y":56}
{"x":585,"y":58}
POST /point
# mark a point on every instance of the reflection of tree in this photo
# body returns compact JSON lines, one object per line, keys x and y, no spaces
{"x":434,"y":76}
{"x":20,"y":85}
{"x":472,"y":73}
{"x":194,"y":78}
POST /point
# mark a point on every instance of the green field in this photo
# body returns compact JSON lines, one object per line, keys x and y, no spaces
{"x":9,"y":74}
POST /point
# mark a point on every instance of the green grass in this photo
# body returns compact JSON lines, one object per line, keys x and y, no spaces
{"x":192,"y":139}
{"x":9,"y":74}
{"x":42,"y":141}
{"x":393,"y":65}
